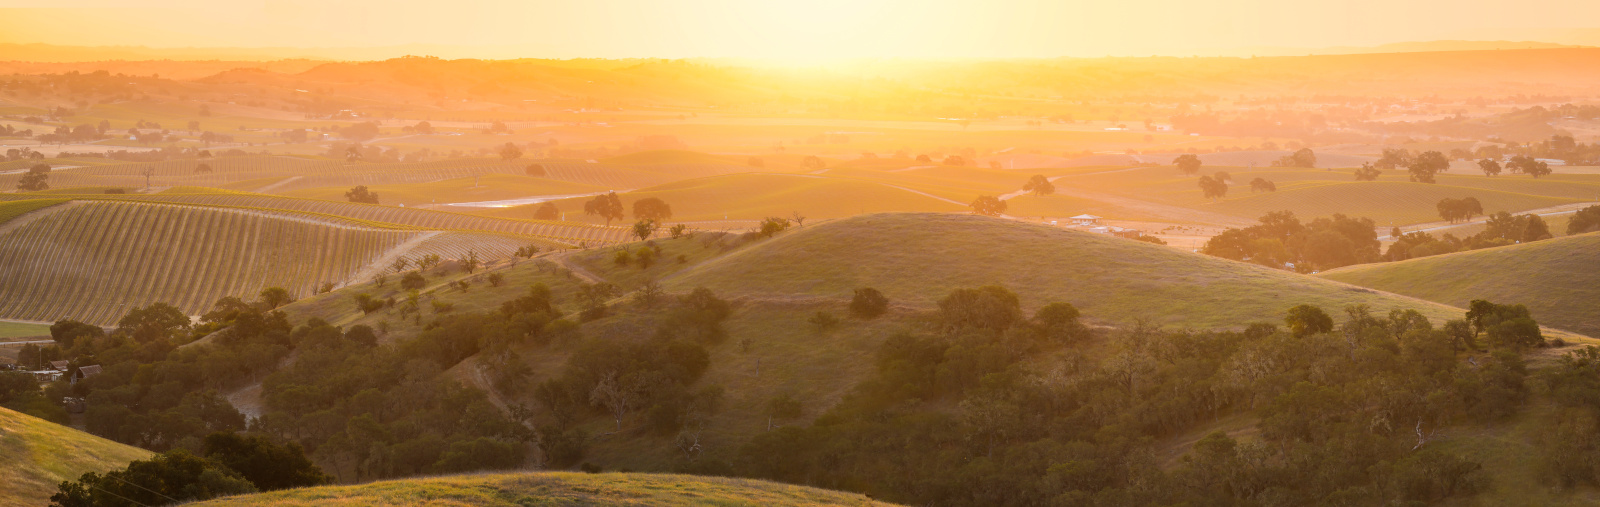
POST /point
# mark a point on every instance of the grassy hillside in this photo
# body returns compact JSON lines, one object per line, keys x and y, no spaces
{"x":556,"y":488}
{"x":36,"y":455}
{"x":760,"y":195}
{"x":918,"y":258}
{"x":1558,"y":279}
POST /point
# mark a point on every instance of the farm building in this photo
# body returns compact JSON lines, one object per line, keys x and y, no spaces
{"x":85,"y":372}
{"x":1085,"y":220}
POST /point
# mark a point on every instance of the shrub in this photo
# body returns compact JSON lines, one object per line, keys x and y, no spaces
{"x":868,"y":303}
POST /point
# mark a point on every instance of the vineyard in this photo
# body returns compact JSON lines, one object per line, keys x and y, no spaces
{"x":572,"y":233}
{"x":93,"y":260}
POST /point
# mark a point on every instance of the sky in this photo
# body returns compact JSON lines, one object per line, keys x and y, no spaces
{"x":791,"y":30}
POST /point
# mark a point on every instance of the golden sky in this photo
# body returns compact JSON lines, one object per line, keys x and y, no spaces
{"x":789,"y":30}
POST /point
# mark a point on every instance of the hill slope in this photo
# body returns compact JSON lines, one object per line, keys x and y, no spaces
{"x":557,"y":488}
{"x":918,"y":258}
{"x":94,"y":260}
{"x":36,"y":455}
{"x":758,"y":195}
{"x":1559,"y":279}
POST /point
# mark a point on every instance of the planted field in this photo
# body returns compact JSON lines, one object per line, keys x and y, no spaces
{"x":493,"y":187}
{"x":14,"y":209}
{"x":568,"y":232}
{"x":760,"y":195}
{"x":1311,"y":193}
{"x":556,"y":488}
{"x":1557,"y":278}
{"x":94,"y":260}
{"x":36,"y":455}
{"x":916,"y":259}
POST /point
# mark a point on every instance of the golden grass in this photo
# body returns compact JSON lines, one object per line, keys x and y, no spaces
{"x":23,"y":330}
{"x":36,"y":455}
{"x":556,"y":488}
{"x":1559,"y":279}
{"x":491,"y":187}
{"x":917,"y":258}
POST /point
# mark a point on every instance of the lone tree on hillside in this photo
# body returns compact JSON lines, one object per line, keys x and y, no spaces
{"x":608,"y":206}
{"x":988,"y":205}
{"x":1039,"y":185}
{"x":1262,"y":185}
{"x":1214,"y":188}
{"x":361,"y":194}
{"x":644,"y":229}
{"x":1188,"y":164}
{"x":1490,"y":167}
{"x":651,"y":208}
{"x":1307,"y":320}
{"x":1428,"y":164}
{"x":547,"y":211}
{"x":534,"y":170}
{"x":274,"y":297}
{"x":1394,"y":158}
{"x":34,"y":181}
{"x":510,"y":152}
{"x":868,"y":303}
{"x":202,"y":169}
{"x":1368,"y":172}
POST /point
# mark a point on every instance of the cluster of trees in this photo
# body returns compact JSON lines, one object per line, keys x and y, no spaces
{"x":1262,"y":185}
{"x":1215,"y":187}
{"x":993,"y":408}
{"x":1454,"y":210}
{"x":988,"y":205}
{"x":1585,"y":220}
{"x":1281,"y":240}
{"x":36,"y":179}
{"x":229,"y":464}
{"x":1303,"y":157}
{"x":1501,"y":229}
{"x":1188,"y":164}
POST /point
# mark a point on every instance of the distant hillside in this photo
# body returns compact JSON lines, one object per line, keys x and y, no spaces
{"x":36,"y":455}
{"x":557,"y":488}
{"x":1559,"y":279}
{"x":918,"y":258}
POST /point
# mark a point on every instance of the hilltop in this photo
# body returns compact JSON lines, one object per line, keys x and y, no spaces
{"x":1556,"y":278}
{"x":917,"y":258}
{"x":556,"y":488}
{"x":36,"y":455}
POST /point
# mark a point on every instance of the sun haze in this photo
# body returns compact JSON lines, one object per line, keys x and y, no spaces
{"x":784,"y":30}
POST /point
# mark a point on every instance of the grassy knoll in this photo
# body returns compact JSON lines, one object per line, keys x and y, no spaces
{"x":1556,"y":278}
{"x":556,"y":488}
{"x":918,"y":258}
{"x":36,"y":455}
{"x":760,"y":195}
{"x":490,"y":187}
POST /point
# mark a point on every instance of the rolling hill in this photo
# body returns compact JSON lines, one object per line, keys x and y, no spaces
{"x":556,"y":488}
{"x":490,"y":187}
{"x":1557,"y":278}
{"x":93,"y":260}
{"x":36,"y":455}
{"x":916,"y":258}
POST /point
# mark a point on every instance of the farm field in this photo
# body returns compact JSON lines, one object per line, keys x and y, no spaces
{"x":1110,"y":279}
{"x":493,"y":187}
{"x":1312,"y":193}
{"x":760,"y":195}
{"x":36,"y":455}
{"x":573,"y":233}
{"x":9,"y":330}
{"x":556,"y":488}
{"x":1557,"y":278}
